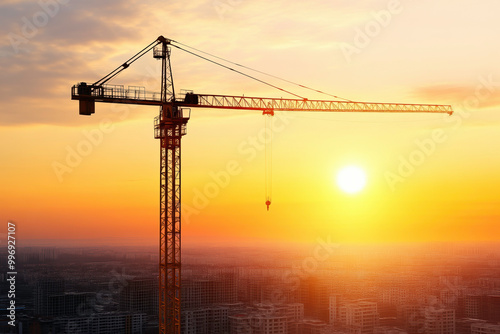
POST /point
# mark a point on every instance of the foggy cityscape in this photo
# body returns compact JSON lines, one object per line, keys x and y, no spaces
{"x":315,"y":289}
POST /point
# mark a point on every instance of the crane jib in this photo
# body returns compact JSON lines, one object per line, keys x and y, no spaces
{"x":89,"y":94}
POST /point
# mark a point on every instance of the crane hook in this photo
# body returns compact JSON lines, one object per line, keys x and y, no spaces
{"x":268,"y":113}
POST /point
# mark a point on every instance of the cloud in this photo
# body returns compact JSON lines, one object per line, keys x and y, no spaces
{"x":480,"y":96}
{"x":56,"y":47}
{"x":445,"y":93}
{"x":47,"y":49}
{"x":85,"y":40}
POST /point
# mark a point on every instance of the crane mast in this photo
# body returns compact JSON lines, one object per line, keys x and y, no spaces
{"x":170,"y":126}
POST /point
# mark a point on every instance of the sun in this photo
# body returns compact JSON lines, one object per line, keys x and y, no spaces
{"x":351,"y":179}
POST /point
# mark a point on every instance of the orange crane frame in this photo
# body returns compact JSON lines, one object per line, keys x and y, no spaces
{"x":170,"y":126}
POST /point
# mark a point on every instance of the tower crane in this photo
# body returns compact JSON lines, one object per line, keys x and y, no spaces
{"x":170,"y":127}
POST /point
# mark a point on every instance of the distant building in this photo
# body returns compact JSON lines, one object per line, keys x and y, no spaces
{"x":42,"y":291}
{"x":201,"y":312}
{"x":489,"y":282}
{"x":482,"y":306}
{"x":266,"y":319}
{"x":334,"y":300}
{"x":295,"y":311}
{"x":255,"y":323}
{"x":359,"y":316}
{"x":69,"y":304}
{"x":97,"y":323}
{"x":493,"y":308}
{"x":485,"y":329}
{"x":463,"y":326}
{"x":389,"y":330}
{"x":207,"y":320}
{"x":450,"y":298}
{"x":197,"y":293}
{"x":307,"y":326}
{"x":439,"y":321}
{"x":292,"y":311}
{"x":50,"y":300}
{"x":393,"y":295}
{"x":315,"y":295}
{"x":254,"y":290}
{"x":140,"y":295}
{"x":475,"y":306}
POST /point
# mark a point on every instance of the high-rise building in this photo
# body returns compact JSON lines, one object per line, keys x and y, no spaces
{"x":493,"y":308}
{"x":307,"y":326}
{"x":475,"y":306}
{"x":114,"y":322}
{"x":450,"y":298}
{"x":439,"y":321}
{"x":227,"y":288}
{"x":266,"y":290}
{"x":485,"y":329}
{"x":140,"y":295}
{"x":69,"y":304}
{"x":334,"y":300}
{"x":50,"y":300}
{"x":315,"y":295}
{"x":43,"y":290}
{"x":412,"y":317}
{"x":294,"y":311}
{"x":389,"y":330}
{"x":207,"y":320}
{"x":266,"y":318}
{"x":463,"y":326}
{"x":97,"y":323}
{"x":359,"y":316}
{"x":198,"y":293}
{"x":257,"y":323}
{"x":393,"y":295}
{"x":200,"y":299}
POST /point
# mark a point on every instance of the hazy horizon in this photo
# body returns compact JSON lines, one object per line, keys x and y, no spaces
{"x":427,"y":177}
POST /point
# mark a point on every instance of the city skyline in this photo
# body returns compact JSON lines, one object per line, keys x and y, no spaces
{"x":429,"y":177}
{"x":404,"y":289}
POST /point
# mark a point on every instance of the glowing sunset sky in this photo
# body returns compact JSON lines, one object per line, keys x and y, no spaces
{"x":429,"y":176}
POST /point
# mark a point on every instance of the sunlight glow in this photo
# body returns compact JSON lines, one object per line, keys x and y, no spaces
{"x":351,"y":179}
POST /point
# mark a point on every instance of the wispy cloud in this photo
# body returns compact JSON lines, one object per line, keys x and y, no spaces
{"x":455,"y":94}
{"x":85,"y":40}
{"x":39,"y":61}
